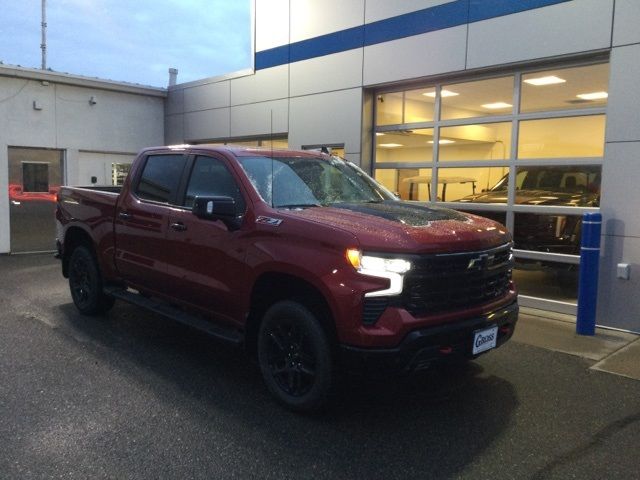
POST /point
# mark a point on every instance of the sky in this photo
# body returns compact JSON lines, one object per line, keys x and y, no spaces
{"x":133,"y":41}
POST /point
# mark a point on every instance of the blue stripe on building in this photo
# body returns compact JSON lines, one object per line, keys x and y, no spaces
{"x":452,"y":14}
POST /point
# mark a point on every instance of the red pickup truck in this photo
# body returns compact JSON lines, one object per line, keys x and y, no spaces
{"x":299,"y":256}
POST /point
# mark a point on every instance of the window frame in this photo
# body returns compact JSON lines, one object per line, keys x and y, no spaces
{"x":512,"y":163}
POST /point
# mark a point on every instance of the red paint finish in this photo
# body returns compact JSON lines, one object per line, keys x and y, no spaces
{"x":206,"y":266}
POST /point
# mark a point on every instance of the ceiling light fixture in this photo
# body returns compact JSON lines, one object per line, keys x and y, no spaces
{"x":390,"y":145}
{"x":593,"y":96}
{"x":497,"y":105}
{"x":443,"y":141}
{"x":548,"y":80}
{"x":443,"y":93}
{"x":379,"y":134}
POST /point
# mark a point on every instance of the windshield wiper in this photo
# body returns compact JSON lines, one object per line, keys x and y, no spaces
{"x":293,"y":206}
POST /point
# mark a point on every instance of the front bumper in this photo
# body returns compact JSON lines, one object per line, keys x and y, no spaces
{"x":423,"y":347}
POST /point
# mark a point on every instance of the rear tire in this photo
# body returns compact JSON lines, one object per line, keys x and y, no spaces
{"x":295,"y":357}
{"x":85,"y":283}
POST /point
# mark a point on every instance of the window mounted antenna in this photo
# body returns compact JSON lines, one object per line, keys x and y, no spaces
{"x":272,"y":174}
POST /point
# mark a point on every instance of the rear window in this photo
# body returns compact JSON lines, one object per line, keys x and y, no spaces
{"x":160,"y":178}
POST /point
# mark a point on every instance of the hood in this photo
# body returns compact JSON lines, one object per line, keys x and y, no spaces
{"x":536,"y":197}
{"x":408,"y":227}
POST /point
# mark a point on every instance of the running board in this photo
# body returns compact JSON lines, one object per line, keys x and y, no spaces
{"x":193,"y":321}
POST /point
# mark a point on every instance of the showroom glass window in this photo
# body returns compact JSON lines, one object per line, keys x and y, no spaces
{"x":524,"y":148}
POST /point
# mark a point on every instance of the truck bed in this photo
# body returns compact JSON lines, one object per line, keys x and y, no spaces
{"x":91,"y":209}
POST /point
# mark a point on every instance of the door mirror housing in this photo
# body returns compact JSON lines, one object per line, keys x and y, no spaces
{"x":217,"y":208}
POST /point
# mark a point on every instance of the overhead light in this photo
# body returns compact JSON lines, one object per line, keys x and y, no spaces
{"x":497,"y":105}
{"x":379,"y":134}
{"x":548,"y":80}
{"x":443,"y":93}
{"x":390,"y":145}
{"x":443,"y":141}
{"x":593,"y":96}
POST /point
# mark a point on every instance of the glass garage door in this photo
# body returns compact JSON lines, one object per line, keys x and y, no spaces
{"x":524,"y":148}
{"x":35,"y":175}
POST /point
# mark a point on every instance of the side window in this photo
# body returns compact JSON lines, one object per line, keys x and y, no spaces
{"x":160,"y":177}
{"x":211,"y":178}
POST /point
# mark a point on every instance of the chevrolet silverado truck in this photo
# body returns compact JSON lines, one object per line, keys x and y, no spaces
{"x":300,"y":257}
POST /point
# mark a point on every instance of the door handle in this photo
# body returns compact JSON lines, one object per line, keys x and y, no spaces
{"x":178,"y":226}
{"x":125,"y":216}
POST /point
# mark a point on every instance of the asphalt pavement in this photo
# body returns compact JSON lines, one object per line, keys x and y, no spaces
{"x":133,"y":395}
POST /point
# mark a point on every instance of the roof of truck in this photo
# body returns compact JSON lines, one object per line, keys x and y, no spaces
{"x":240,"y":150}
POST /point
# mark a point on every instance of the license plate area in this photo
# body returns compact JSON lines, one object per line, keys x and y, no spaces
{"x":485,"y":339}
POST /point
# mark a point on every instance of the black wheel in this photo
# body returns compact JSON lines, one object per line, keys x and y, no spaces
{"x":295,"y":356}
{"x":85,"y":283}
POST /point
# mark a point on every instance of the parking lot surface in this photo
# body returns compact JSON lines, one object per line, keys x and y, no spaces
{"x":133,"y":395}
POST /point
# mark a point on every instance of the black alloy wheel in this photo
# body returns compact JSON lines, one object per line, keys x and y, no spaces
{"x":85,"y":283}
{"x":295,"y":356}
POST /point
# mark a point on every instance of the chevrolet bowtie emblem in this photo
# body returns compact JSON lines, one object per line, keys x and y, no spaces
{"x":481,"y":262}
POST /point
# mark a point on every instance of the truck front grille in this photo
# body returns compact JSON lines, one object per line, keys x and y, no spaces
{"x":446,"y":282}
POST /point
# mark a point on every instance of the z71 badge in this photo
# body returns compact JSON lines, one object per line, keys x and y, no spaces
{"x":268,"y":221}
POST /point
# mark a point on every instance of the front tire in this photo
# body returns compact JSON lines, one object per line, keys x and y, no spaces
{"x":85,"y":283}
{"x":295,"y":357}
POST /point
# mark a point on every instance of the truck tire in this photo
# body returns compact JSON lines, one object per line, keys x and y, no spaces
{"x":295,"y":357}
{"x":85,"y":283}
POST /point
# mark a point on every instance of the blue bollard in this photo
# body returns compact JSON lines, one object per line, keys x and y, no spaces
{"x":588,"y":284}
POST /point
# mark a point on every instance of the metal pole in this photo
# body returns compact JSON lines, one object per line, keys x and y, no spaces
{"x":588,"y":286}
{"x":43,"y":45}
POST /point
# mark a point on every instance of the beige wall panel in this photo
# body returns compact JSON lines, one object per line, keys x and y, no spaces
{"x":206,"y":125}
{"x":626,"y":22}
{"x":419,"y":56}
{"x":256,"y":119}
{"x":618,"y":300}
{"x":566,"y":28}
{"x":327,"y":118}
{"x":621,"y":190}
{"x":174,"y":129}
{"x":264,"y":85}
{"x":324,"y":74}
{"x":175,"y":101}
{"x":623,"y":109}
{"x":208,"y":96}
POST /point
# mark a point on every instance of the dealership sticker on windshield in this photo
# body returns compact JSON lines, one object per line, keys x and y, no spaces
{"x":484,"y":340}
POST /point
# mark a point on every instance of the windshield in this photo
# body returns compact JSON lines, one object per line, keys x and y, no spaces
{"x":298,"y":182}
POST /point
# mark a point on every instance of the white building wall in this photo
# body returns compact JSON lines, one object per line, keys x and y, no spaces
{"x":618,"y":299}
{"x":123,"y":119}
{"x":322,"y":99}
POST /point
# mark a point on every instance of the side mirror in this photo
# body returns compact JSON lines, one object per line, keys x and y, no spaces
{"x":217,"y":208}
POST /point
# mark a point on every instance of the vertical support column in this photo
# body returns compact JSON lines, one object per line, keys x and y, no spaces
{"x":589,"y":261}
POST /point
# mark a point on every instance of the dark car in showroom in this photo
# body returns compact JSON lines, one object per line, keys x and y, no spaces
{"x":559,"y":186}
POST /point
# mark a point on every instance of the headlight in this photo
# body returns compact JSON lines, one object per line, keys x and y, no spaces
{"x":392,"y":269}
